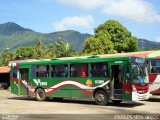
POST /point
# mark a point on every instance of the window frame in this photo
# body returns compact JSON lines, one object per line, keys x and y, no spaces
{"x":152,"y":67}
{"x":106,"y":70}
{"x":62,"y":76}
{"x":47,"y":72}
{"x":80,"y":71}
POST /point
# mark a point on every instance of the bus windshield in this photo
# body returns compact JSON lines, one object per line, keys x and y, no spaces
{"x":139,"y":74}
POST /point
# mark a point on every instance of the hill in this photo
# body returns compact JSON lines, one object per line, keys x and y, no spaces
{"x":10,"y":28}
{"x":146,"y":44}
{"x":13,"y":35}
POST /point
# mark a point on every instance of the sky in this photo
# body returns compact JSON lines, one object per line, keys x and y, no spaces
{"x":140,"y":17}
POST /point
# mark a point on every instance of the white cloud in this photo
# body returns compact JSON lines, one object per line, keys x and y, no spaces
{"x":75,"y":21}
{"x":136,"y":10}
{"x":83,"y":4}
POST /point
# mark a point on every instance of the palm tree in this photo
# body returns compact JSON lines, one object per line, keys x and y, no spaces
{"x":62,"y":49}
{"x":39,"y":49}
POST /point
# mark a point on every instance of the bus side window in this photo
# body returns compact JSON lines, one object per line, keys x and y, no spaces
{"x":98,"y":70}
{"x":155,"y":66}
{"x":84,"y":72}
{"x":33,"y":71}
{"x":42,"y":71}
{"x":15,"y":72}
{"x":79,"y":70}
{"x":59,"y":70}
{"x":24,"y":73}
{"x":155,"y":70}
{"x":72,"y":71}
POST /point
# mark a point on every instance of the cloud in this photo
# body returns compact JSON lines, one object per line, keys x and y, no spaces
{"x":71,"y":22}
{"x":136,"y":10}
{"x":83,"y":4}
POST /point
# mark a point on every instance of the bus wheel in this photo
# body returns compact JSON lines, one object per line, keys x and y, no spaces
{"x":101,"y":97}
{"x":116,"y":101}
{"x":40,"y":94}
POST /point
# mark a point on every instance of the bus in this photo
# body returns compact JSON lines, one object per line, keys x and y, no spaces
{"x":154,"y":74}
{"x":97,"y":78}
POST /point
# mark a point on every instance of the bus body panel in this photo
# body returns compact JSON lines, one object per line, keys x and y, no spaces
{"x":154,"y":76}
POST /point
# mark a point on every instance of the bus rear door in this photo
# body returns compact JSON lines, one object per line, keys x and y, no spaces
{"x":24,"y":72}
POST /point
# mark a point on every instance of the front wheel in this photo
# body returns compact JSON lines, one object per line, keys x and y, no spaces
{"x":101,"y":97}
{"x":40,"y":94}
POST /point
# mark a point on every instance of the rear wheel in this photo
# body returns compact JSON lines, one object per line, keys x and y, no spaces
{"x":101,"y":97}
{"x":40,"y":94}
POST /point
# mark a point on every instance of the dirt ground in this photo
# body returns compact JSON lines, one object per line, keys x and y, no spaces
{"x":27,"y":107}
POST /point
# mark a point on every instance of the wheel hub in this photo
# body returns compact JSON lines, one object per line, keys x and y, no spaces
{"x":40,"y":94}
{"x":100,"y":98}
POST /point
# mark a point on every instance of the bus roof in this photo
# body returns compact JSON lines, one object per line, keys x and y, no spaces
{"x":107,"y":57}
{"x":90,"y":59}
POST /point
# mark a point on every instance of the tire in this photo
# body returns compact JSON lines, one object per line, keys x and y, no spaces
{"x":40,"y":94}
{"x":116,"y":101}
{"x":101,"y":97}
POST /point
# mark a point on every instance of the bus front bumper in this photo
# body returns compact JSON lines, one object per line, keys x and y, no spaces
{"x":136,"y":96}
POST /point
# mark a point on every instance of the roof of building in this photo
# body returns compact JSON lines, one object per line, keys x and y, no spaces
{"x":5,"y":69}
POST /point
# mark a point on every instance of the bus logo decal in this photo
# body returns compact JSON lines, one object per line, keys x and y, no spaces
{"x":38,"y":82}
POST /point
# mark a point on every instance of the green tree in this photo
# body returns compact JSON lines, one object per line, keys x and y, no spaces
{"x":5,"y":57}
{"x":110,"y":37}
{"x":99,"y":44}
{"x":39,"y":49}
{"x":24,"y":52}
{"x":62,"y":49}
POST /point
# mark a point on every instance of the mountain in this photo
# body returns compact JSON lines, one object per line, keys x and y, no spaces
{"x":13,"y":35}
{"x":11,"y":28}
{"x":146,"y":44}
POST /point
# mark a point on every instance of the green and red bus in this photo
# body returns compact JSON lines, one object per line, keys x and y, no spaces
{"x":99,"y":78}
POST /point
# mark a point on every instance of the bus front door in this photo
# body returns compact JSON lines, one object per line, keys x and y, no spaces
{"x":117,"y":78}
{"x":24,"y":72}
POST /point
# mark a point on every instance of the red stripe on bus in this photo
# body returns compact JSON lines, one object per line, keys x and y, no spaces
{"x":156,"y":91}
{"x":83,"y":90}
{"x":14,"y":79}
{"x":152,"y":77}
